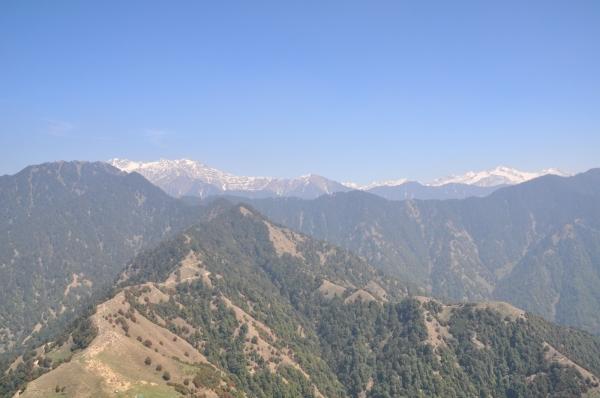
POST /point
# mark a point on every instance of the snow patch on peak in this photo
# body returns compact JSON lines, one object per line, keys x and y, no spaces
{"x":124,"y":164}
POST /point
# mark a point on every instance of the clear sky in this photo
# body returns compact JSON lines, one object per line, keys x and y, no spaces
{"x":353,"y":90}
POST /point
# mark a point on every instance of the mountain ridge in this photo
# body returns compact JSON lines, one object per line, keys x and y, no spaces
{"x":532,"y":244}
{"x":186,"y":177}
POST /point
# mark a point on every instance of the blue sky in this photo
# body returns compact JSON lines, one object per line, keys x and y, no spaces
{"x":350,"y":90}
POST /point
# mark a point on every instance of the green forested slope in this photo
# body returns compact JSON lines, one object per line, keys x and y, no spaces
{"x":536,"y":244}
{"x":67,"y":228}
{"x":271,"y":313}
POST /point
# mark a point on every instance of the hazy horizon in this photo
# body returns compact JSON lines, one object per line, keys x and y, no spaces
{"x":348,"y":182}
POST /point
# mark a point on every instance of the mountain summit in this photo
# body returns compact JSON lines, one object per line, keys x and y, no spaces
{"x":67,"y":229}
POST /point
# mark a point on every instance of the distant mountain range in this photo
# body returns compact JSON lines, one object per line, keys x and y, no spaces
{"x":534,"y":244}
{"x":186,"y":177}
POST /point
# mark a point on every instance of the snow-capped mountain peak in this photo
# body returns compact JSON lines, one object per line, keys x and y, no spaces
{"x":501,"y":175}
{"x":165,"y":170}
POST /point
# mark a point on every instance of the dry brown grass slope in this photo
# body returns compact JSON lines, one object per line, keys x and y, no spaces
{"x":113,"y":365}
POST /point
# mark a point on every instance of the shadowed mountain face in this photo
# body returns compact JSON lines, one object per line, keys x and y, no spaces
{"x":67,"y":229}
{"x":238,"y":306}
{"x":415,"y":190}
{"x":536,"y":244}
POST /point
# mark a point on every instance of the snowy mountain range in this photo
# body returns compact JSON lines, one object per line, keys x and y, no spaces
{"x":501,"y":175}
{"x":375,"y":184}
{"x":184,"y":177}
